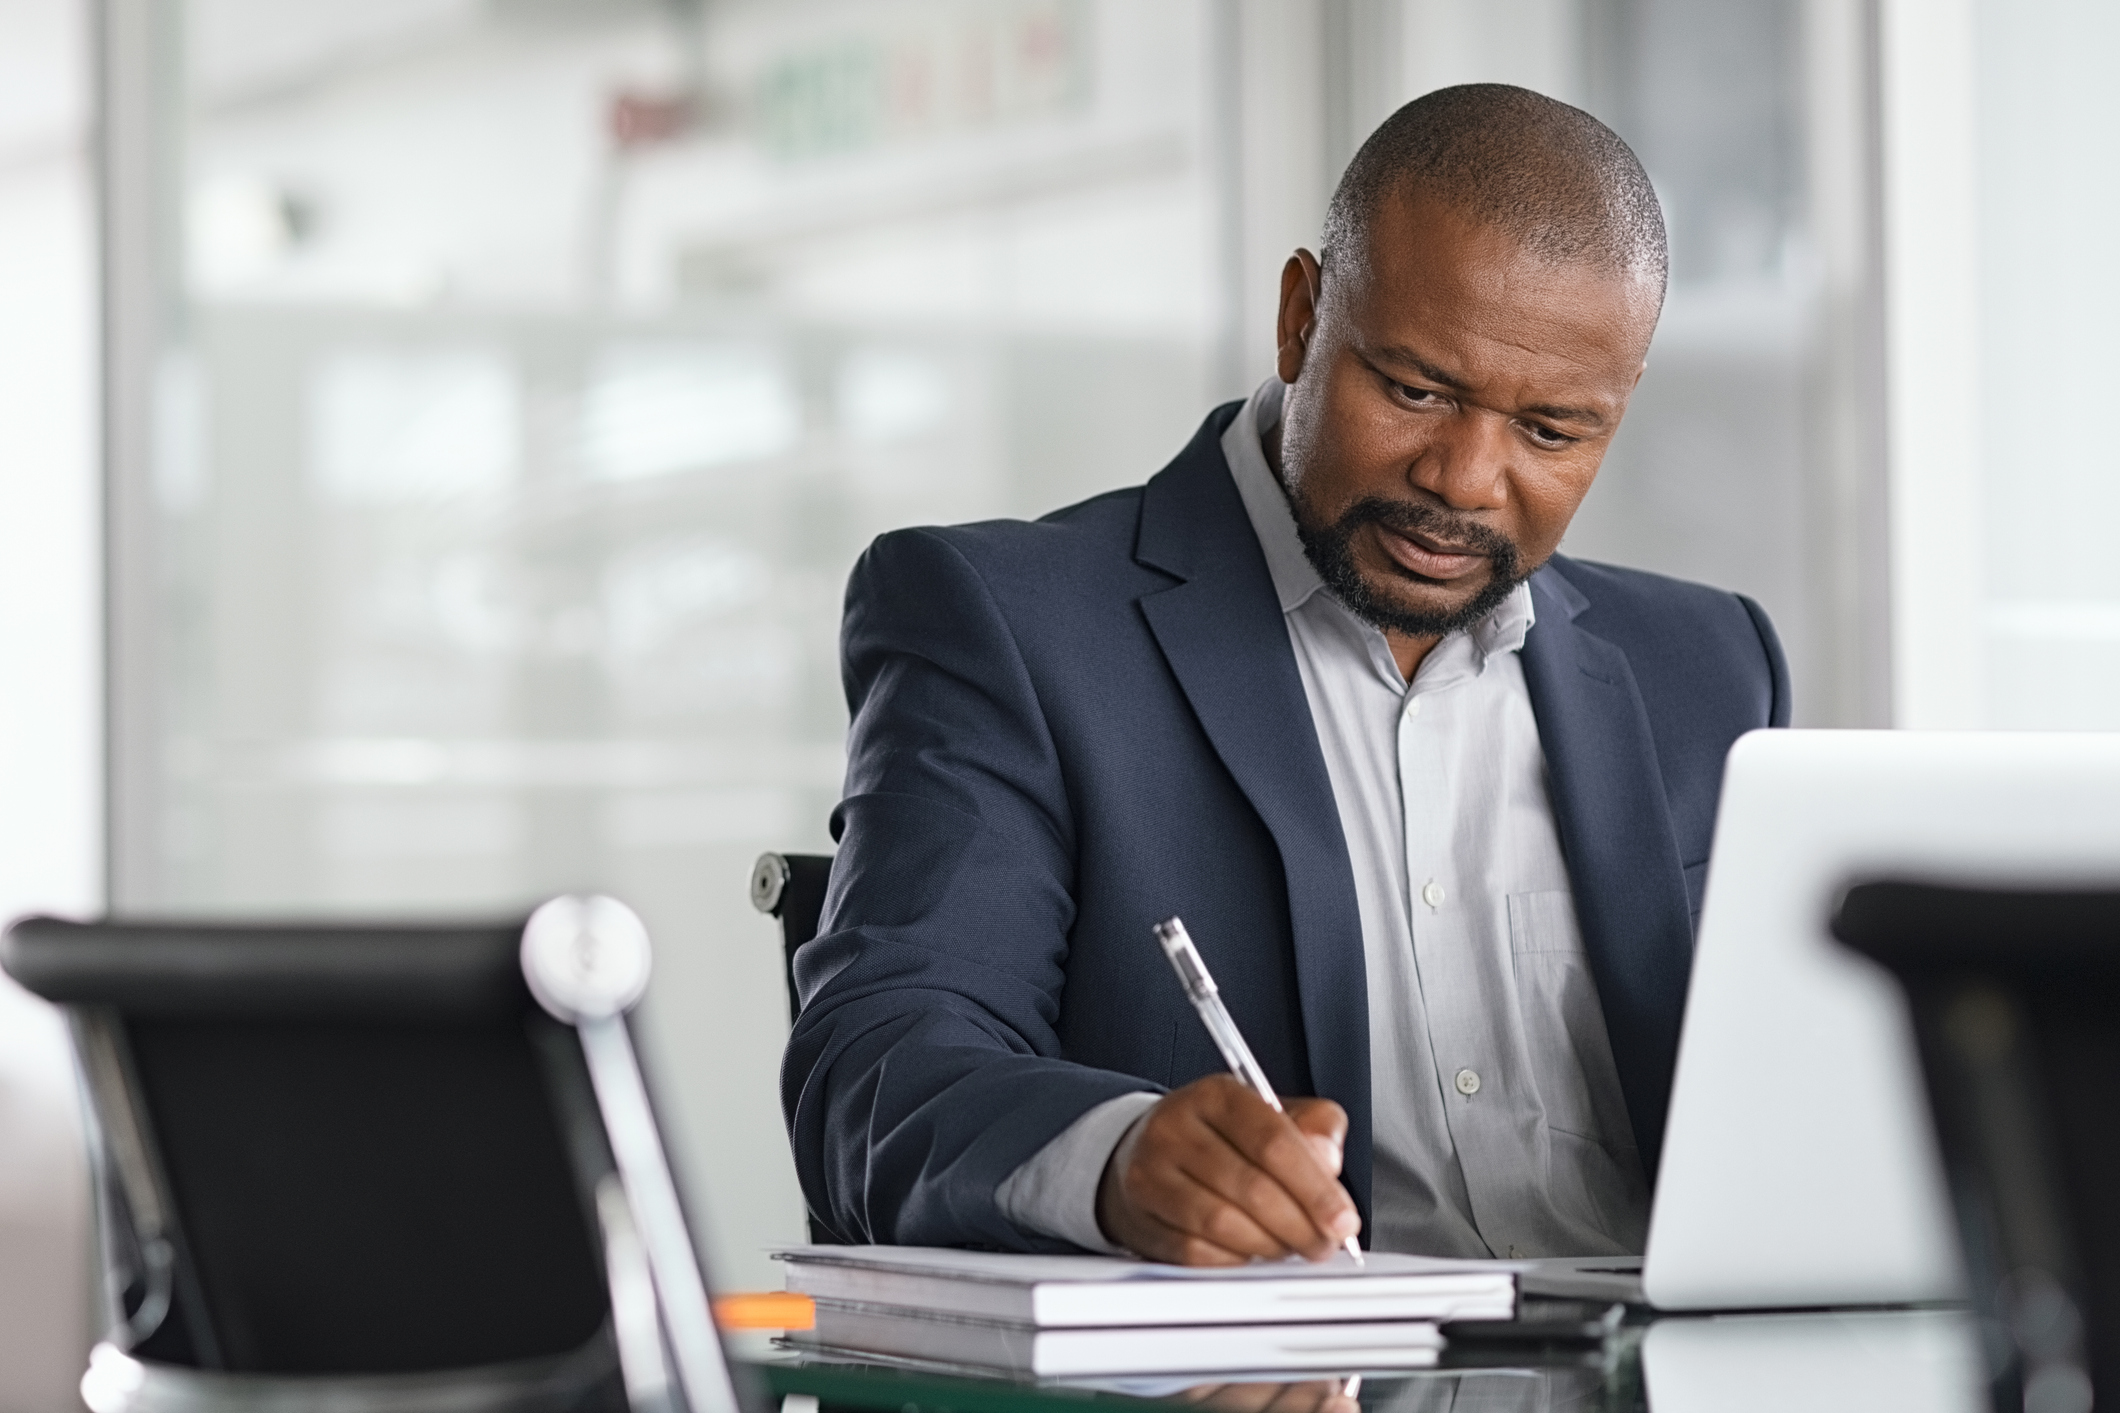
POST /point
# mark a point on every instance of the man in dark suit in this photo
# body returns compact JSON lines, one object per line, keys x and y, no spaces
{"x":1434,"y":801}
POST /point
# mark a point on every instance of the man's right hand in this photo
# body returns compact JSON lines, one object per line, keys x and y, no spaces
{"x":1212,"y":1176}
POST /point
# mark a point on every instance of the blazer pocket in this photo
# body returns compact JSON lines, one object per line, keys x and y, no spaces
{"x":1192,"y":1053}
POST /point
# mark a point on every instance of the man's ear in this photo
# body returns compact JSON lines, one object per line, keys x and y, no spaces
{"x":1300,"y":285}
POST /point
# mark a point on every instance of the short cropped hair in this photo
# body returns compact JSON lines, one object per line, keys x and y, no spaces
{"x":1552,"y":176}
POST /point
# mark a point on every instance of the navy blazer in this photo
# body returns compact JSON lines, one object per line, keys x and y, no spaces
{"x":1068,"y":730}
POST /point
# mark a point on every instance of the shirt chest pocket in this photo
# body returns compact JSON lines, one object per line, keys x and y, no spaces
{"x":1543,"y":922}
{"x":1563,"y":1025}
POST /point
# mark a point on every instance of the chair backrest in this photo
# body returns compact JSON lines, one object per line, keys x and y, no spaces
{"x":791,"y":888}
{"x":2015,"y":995}
{"x":342,"y":1150}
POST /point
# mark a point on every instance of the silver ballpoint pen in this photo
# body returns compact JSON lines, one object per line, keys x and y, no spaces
{"x":1206,"y":997}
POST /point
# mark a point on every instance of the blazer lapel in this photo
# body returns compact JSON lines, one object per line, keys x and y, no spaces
{"x":1222,"y":632}
{"x":1615,"y":830}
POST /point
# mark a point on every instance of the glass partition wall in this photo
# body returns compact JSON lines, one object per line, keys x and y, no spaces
{"x":500,"y":390}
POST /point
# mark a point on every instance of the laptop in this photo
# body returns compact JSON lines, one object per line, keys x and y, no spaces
{"x":1799,"y":1166}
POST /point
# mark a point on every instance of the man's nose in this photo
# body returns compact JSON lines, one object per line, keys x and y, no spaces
{"x":1466,"y":464}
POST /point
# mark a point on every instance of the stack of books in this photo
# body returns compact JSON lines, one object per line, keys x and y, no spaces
{"x":1060,"y":1316}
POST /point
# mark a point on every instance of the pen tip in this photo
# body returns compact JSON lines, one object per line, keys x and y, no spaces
{"x":1354,"y":1249}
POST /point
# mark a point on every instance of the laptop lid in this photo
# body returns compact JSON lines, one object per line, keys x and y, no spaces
{"x":1800,"y":1168}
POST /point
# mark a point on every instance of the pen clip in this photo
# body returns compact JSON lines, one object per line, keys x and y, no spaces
{"x":1185,"y":959}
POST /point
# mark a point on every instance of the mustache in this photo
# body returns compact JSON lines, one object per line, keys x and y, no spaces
{"x":1443,"y":528}
{"x":1331,"y":554}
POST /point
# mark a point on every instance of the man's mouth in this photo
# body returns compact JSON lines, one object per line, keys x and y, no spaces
{"x":1419,"y":544}
{"x":1428,"y":558}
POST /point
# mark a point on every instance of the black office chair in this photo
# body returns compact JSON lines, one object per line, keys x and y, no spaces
{"x":791,"y":888}
{"x":378,"y":1168}
{"x":2015,"y":995}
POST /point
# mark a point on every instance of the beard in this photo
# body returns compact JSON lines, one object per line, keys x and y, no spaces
{"x":1331,"y":552}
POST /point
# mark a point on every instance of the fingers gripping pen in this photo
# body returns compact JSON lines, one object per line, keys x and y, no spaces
{"x":1206,"y":997}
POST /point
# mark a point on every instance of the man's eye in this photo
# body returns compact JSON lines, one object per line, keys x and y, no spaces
{"x":1418,"y":394}
{"x":1546,"y":436}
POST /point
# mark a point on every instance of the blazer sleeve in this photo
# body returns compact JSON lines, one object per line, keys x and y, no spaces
{"x":925,"y":1066}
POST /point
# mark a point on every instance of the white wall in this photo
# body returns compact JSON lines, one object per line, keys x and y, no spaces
{"x":1998,"y":123}
{"x":1932,"y":338}
{"x":2047,"y":111}
{"x":50,"y":698}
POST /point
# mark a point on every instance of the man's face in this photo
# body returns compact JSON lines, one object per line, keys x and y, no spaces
{"x":1452,"y":398}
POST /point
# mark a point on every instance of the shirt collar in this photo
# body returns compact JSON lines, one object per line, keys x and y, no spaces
{"x":1295,"y":581}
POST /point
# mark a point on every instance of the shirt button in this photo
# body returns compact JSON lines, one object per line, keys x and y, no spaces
{"x":1432,"y":893}
{"x":1413,"y":706}
{"x":1468,"y":1082}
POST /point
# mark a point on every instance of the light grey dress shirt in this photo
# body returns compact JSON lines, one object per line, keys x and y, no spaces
{"x":1499,"y":1125}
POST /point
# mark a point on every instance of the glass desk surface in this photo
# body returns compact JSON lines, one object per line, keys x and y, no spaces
{"x":1868,"y":1361}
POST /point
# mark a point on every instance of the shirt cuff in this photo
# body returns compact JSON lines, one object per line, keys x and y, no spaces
{"x":1054,"y":1191}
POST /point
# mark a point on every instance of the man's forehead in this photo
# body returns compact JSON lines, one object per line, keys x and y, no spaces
{"x":1423,"y":242}
{"x":1452,"y":290}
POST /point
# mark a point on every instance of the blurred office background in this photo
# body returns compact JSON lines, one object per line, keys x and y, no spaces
{"x":436,"y":490}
